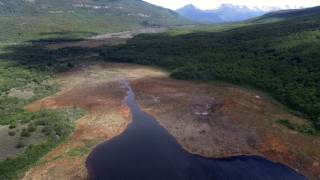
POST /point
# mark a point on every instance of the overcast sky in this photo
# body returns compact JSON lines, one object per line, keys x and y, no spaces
{"x":209,"y":4}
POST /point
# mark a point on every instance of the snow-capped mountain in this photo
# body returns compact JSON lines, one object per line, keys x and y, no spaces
{"x":224,"y":13}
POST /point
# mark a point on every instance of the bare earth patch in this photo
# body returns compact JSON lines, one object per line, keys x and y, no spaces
{"x":13,"y":145}
{"x":21,"y":94}
{"x":109,"y":39}
{"x":216,"y":120}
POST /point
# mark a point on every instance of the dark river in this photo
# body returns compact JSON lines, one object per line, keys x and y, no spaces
{"x":146,"y":151}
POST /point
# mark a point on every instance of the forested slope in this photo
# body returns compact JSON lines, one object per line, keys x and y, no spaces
{"x":282,"y":58}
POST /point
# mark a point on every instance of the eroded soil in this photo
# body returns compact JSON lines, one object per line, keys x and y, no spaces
{"x":217,"y":120}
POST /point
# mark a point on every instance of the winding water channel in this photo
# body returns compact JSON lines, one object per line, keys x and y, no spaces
{"x":146,"y":151}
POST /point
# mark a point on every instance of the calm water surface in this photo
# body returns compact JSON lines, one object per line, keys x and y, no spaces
{"x":146,"y":151}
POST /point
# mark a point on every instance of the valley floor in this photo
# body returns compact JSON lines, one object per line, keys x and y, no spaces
{"x":210,"y":119}
{"x":213,"y":120}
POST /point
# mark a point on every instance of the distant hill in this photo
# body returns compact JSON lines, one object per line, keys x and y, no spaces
{"x":285,"y":14}
{"x":224,"y":13}
{"x":23,"y":19}
{"x":193,"y":13}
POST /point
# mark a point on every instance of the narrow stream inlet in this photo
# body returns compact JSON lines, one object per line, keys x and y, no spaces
{"x":146,"y":151}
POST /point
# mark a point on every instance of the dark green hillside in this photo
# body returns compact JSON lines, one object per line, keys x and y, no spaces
{"x":280,"y":15}
{"x":282,"y":58}
{"x":25,"y":19}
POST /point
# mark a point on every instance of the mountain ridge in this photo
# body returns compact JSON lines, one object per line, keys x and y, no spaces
{"x":291,"y":13}
{"x":224,"y":13}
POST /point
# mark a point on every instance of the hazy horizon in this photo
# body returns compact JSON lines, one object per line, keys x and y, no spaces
{"x":262,"y":4}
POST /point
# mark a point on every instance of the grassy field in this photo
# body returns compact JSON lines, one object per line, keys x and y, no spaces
{"x":21,"y":84}
{"x":24,"y":28}
{"x":205,"y":28}
{"x":23,"y":20}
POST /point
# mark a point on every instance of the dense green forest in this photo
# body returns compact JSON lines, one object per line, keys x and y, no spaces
{"x":282,"y":58}
{"x":285,"y":14}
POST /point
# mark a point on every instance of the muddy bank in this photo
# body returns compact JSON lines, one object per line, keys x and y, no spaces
{"x":145,"y":150}
{"x":223,"y":120}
